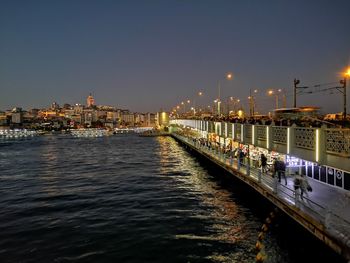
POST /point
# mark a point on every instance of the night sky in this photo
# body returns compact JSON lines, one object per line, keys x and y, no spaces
{"x":151,"y":55}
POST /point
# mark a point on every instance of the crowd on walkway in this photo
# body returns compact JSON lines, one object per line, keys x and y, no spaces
{"x":277,"y":169}
{"x":317,"y":123}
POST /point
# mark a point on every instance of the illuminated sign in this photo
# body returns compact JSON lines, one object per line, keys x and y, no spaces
{"x":292,"y":161}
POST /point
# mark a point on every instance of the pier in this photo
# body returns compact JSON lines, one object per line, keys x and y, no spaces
{"x":321,"y":154}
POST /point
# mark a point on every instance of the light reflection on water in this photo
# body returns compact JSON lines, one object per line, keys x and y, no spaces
{"x":121,"y":199}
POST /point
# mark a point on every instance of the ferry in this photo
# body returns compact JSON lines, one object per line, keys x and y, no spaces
{"x":89,"y":133}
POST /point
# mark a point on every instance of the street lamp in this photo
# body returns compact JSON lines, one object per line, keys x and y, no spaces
{"x":194,"y":101}
{"x":210,"y":109}
{"x":283,"y":97}
{"x":218,"y":102}
{"x":229,"y":75}
{"x":343,"y":82}
{"x":194,"y":111}
{"x":272,"y":92}
{"x":251,"y":99}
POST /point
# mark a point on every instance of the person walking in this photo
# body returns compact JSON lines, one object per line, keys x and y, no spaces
{"x":241,"y":156}
{"x":263,"y":160}
{"x":282,"y":171}
{"x":280,"y":168}
{"x":304,"y":186}
{"x":275,"y":167}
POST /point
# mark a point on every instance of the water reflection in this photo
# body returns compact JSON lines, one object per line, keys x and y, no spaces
{"x":225,"y":223}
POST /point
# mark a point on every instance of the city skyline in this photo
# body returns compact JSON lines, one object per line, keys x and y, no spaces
{"x":147,"y":56}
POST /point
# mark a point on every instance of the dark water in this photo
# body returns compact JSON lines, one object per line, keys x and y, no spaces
{"x":132,"y":199}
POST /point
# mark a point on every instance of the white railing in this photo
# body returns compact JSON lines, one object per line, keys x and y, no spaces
{"x":279,"y":134}
{"x":338,"y":141}
{"x":304,"y":138}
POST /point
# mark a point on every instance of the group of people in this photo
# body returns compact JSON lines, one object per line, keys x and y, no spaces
{"x":300,"y":181}
{"x":279,"y":167}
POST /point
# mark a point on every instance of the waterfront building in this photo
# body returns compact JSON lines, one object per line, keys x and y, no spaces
{"x":89,"y":117}
{"x":90,"y":101}
{"x":3,"y":119}
{"x":139,"y":119}
{"x":76,"y":119}
{"x":127,"y":118}
{"x":48,"y":114}
{"x":55,"y":106}
{"x":67,"y":106}
{"x":162,"y":119}
{"x":112,"y":116}
{"x":296,"y":113}
{"x":68,"y":113}
{"x":76,"y":115}
{"x":29,"y":117}
{"x":101,"y":115}
{"x":78,"y":108}
{"x":150,"y":119}
{"x":17,"y":115}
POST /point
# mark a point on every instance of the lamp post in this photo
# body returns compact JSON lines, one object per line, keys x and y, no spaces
{"x":217,"y":101}
{"x":343,"y":82}
{"x":284,"y":97}
{"x":200,"y":93}
{"x":211,"y":109}
{"x":272,"y":92}
{"x":296,"y":82}
{"x":229,"y":76}
{"x":251,"y":99}
{"x":188,"y":102}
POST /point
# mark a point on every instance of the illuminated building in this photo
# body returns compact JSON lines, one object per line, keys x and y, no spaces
{"x":90,"y":101}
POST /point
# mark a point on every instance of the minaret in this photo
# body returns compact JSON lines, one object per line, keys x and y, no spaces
{"x":90,"y":101}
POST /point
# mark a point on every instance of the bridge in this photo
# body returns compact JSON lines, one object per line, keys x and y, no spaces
{"x":321,"y":154}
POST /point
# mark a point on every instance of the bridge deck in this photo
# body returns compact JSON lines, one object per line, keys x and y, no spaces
{"x":325,"y":212}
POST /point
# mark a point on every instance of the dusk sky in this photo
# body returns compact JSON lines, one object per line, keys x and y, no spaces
{"x":151,"y":55}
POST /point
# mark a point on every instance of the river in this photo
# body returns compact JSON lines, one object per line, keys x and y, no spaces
{"x":126,"y":198}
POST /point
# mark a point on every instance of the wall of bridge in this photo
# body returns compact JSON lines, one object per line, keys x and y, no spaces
{"x":328,"y":149}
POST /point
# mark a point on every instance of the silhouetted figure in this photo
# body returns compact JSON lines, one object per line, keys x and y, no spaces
{"x":263,"y":160}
